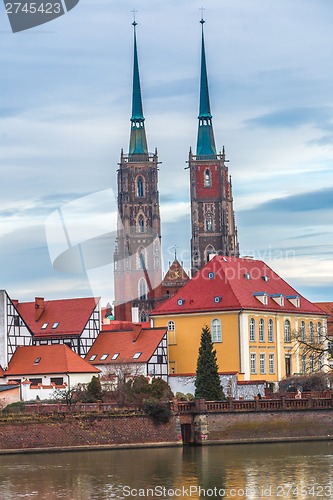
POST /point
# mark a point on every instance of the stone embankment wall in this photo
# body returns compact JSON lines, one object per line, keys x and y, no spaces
{"x":85,"y":431}
{"x":262,"y":426}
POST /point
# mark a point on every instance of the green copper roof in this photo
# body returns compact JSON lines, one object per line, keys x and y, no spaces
{"x":206,"y":141}
{"x":138,"y":141}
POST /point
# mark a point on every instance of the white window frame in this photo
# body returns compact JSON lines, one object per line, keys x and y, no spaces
{"x":216,"y":327}
{"x":262,"y":363}
{"x":252,"y":330}
{"x":270,"y":332}
{"x":261,"y":330}
{"x":253,"y":363}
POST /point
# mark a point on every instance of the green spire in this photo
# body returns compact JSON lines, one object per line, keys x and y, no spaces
{"x":206,"y":141}
{"x":138,"y":141}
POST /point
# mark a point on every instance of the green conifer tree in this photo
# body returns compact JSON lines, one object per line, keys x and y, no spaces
{"x":207,"y":381}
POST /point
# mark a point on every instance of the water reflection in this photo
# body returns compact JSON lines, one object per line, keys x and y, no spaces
{"x":242,"y":471}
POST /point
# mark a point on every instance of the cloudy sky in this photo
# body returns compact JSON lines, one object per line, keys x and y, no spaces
{"x":65,"y":90}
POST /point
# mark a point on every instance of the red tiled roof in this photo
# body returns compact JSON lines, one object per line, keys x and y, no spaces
{"x":327,"y":307}
{"x":53,"y":359}
{"x":117,"y":326}
{"x":71,"y":314}
{"x":236,"y":291}
{"x":121,"y":342}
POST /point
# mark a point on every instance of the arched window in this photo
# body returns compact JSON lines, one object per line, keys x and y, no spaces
{"x":141,"y":258}
{"x":252,"y":330}
{"x":216,"y":330}
{"x":139,"y":187}
{"x":319,"y":334}
{"x":270,"y":331}
{"x":261,"y":330}
{"x":171,"y":332}
{"x":320,"y":362}
{"x":303,"y":364}
{"x":208,"y":178}
{"x":311,"y":332}
{"x":287,"y":332}
{"x":142,"y":289}
{"x":209,"y":251}
{"x":209,"y":222}
{"x":143,"y":316}
{"x":302,"y":332}
{"x":141,"y":224}
{"x":312,"y":363}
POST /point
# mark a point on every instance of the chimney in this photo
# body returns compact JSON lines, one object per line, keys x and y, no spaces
{"x":39,"y":307}
{"x":137,"y":329}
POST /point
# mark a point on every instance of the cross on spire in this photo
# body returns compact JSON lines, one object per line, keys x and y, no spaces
{"x":134,"y":21}
{"x":202,"y":14}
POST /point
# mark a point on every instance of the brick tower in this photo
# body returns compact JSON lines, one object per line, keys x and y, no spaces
{"x":212,"y":213}
{"x":137,"y":256}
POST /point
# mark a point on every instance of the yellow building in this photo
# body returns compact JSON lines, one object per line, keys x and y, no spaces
{"x":253,"y":315}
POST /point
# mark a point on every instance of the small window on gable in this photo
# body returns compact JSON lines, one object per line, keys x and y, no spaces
{"x":137,"y":355}
{"x":55,"y":325}
{"x":94,"y":356}
{"x":208,"y":178}
{"x":44,"y":326}
{"x":115,"y":356}
{"x":37,"y":360}
{"x":103,"y":357}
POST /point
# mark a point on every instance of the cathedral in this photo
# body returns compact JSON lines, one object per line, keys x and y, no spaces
{"x":138,"y":281}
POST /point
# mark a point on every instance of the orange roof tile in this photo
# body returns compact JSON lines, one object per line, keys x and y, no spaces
{"x":53,"y":359}
{"x":121,"y":343}
{"x":229,"y":283}
{"x":71,"y":314}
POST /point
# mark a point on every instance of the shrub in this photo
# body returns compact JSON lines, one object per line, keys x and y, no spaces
{"x":17,"y":407}
{"x":158,"y":411}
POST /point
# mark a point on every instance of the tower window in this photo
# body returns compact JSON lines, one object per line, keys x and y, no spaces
{"x":141,"y":259}
{"x":141,"y":224}
{"x":209,"y":222}
{"x":142,"y":289}
{"x":208,"y":178}
{"x":139,"y":186}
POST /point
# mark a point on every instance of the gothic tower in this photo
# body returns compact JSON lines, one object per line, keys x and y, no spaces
{"x":212,"y":214}
{"x":137,"y":256}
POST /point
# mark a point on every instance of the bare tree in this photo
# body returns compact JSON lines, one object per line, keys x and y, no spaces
{"x":314,"y":346}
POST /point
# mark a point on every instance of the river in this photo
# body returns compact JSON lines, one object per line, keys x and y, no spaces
{"x":283,"y":470}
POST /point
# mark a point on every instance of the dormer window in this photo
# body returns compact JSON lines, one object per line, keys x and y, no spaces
{"x":247,"y":276}
{"x":44,"y":326}
{"x":265,"y":278}
{"x":294,"y":299}
{"x":55,"y":325}
{"x":37,"y":360}
{"x":180,"y":302}
{"x":278,"y":298}
{"x":93,"y":357}
{"x":137,"y":355}
{"x":262,"y":297}
{"x":115,"y":356}
{"x":103,"y":357}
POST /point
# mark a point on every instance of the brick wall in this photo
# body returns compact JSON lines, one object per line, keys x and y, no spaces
{"x":72,"y":431}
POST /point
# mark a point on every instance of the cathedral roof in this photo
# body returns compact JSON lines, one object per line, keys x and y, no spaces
{"x":230,"y":283}
{"x":205,"y":141}
{"x":138,"y":141}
